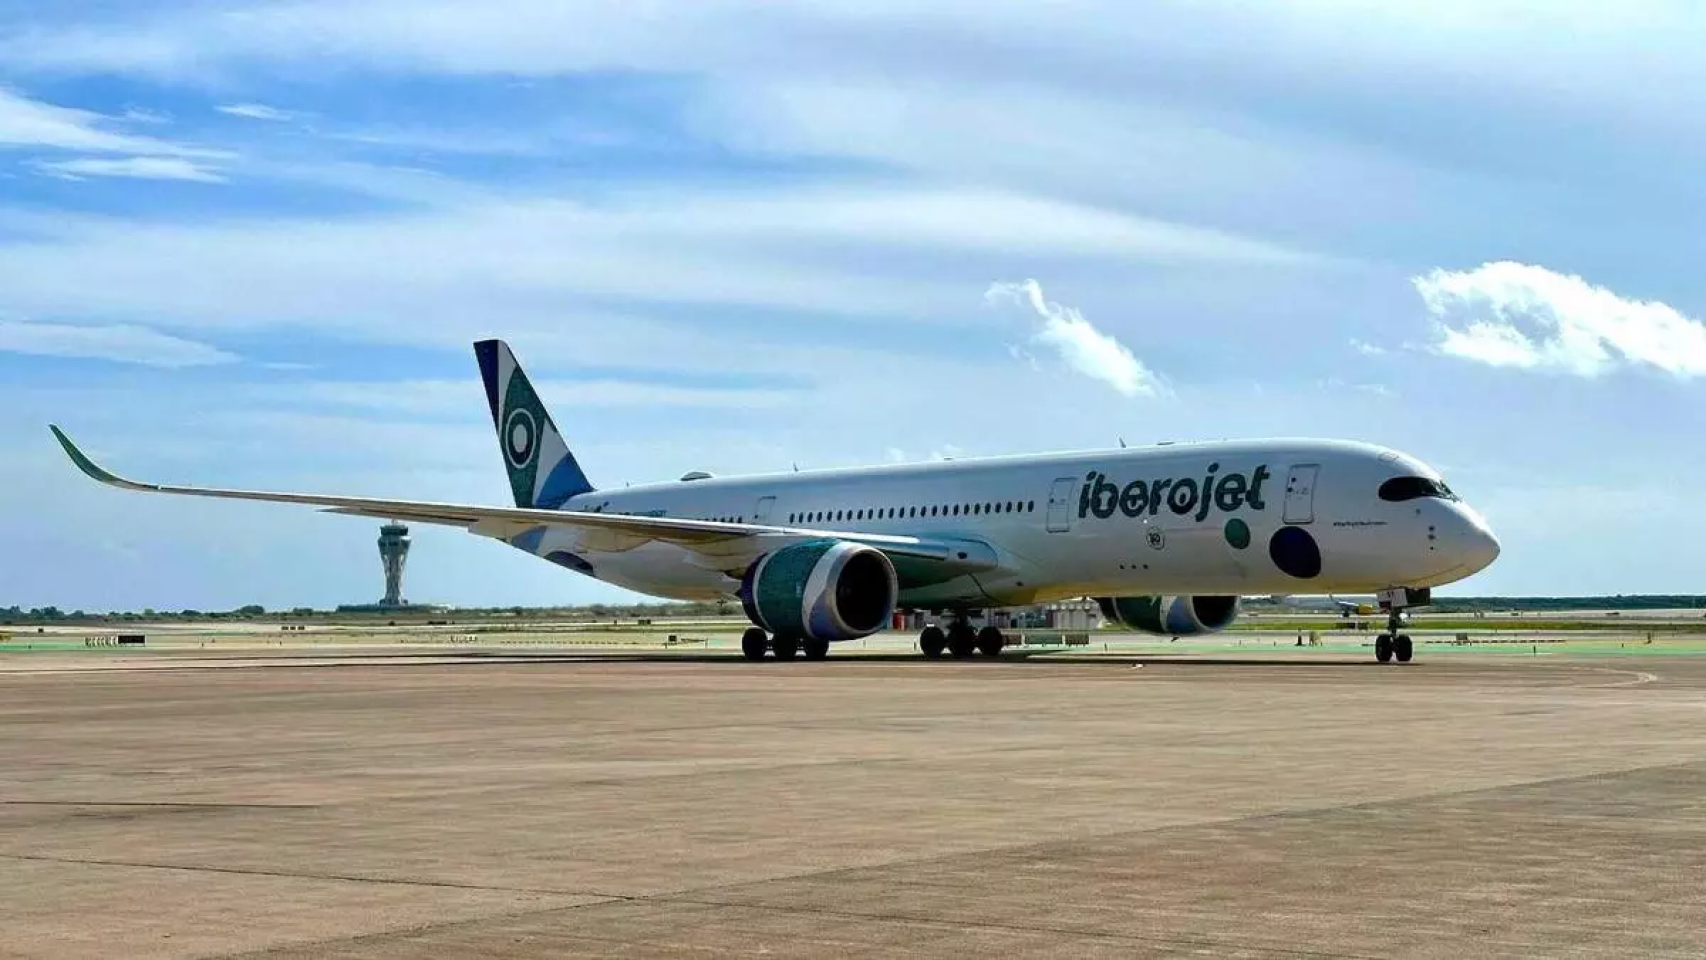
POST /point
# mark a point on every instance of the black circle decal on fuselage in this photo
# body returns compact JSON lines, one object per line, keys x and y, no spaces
{"x":520,"y":433}
{"x":1294,"y":551}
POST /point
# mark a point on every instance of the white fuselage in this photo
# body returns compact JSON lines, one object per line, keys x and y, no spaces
{"x":1212,"y":518}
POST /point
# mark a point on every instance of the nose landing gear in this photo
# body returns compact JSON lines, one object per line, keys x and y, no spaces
{"x":1393,"y":645}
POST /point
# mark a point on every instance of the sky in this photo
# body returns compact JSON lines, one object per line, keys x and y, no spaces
{"x":249,"y":243}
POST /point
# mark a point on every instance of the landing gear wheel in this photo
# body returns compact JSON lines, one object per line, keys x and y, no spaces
{"x":1383,"y":648}
{"x":753,"y":643}
{"x":1401,"y":648}
{"x":785,"y":646}
{"x":932,"y":642}
{"x":990,"y":641}
{"x":962,"y":641}
{"x":816,"y":649}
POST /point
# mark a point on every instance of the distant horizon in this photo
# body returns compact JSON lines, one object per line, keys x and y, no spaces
{"x":1587,"y":601}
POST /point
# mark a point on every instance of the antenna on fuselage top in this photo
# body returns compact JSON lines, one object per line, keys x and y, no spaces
{"x":1122,"y":443}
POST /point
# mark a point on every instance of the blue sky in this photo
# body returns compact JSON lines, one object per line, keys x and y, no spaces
{"x":249,"y":243}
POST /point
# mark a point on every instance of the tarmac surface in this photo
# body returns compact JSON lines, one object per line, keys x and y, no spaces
{"x":537,"y":805}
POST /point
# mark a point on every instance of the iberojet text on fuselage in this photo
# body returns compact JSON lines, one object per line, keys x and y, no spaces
{"x":1227,"y":492}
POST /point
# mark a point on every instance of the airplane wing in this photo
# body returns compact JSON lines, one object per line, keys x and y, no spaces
{"x":719,"y":546}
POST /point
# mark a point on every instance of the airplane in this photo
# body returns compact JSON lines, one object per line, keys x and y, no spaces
{"x":1166,"y":538}
{"x":1350,"y":608}
{"x":1309,"y":603}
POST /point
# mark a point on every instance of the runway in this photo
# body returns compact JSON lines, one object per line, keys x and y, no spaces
{"x":549,"y":805}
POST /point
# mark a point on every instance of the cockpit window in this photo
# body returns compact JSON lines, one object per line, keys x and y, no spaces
{"x":1399,"y":489}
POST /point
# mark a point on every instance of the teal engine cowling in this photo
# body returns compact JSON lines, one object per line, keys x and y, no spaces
{"x":1171,"y":616}
{"x":829,"y":590}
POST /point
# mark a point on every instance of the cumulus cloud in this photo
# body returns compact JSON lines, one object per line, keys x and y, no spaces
{"x":120,"y":342}
{"x":255,"y":111}
{"x":1507,"y":314}
{"x":136,"y":168}
{"x":1078,"y":343}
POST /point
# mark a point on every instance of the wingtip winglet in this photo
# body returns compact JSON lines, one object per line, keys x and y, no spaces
{"x":82,"y":461}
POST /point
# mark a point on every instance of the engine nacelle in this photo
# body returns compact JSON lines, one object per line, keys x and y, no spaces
{"x":1171,"y":616}
{"x":825,"y":589}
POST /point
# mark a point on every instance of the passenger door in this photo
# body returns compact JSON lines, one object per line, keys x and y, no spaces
{"x":1300,"y":493}
{"x":761,"y":513}
{"x":1060,"y":504}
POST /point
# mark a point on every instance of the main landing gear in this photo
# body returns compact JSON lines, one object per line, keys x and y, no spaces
{"x":755,"y":642}
{"x":961,"y":640}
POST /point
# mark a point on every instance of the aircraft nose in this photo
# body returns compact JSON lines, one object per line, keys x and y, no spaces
{"x":1475,"y":542}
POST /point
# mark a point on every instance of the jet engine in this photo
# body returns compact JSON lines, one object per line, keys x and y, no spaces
{"x":1171,"y":616}
{"x":829,"y":590}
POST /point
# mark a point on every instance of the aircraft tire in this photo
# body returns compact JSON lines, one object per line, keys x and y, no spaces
{"x":1383,"y":648}
{"x":753,"y":643}
{"x":962,"y":641}
{"x":990,"y":641}
{"x":816,"y":649}
{"x":785,"y":646}
{"x":932,"y":642}
{"x":1401,"y":648}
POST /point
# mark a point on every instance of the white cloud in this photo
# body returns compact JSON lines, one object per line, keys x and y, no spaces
{"x":121,"y":342}
{"x":1368,"y":349}
{"x":255,"y":111}
{"x":1507,"y":314}
{"x":1079,"y":344}
{"x":138,"y":168}
{"x":139,"y":115}
{"x":457,"y":397}
{"x":31,"y":123}
{"x":1340,"y":386}
{"x":536,"y":256}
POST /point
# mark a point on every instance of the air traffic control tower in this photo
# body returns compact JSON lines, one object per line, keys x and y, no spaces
{"x":393,"y":552}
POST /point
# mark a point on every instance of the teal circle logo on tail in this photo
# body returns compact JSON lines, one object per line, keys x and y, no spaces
{"x":521,"y":437}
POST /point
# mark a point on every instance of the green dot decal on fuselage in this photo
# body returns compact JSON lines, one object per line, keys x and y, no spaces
{"x":1182,"y":496}
{"x":1237,"y":533}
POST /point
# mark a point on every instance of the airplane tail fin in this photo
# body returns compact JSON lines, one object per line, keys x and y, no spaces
{"x":543,"y":472}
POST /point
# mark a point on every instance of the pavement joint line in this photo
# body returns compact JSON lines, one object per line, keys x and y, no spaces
{"x":293,"y":875}
{"x":1026,"y":928}
{"x":685,"y":895}
{"x":1359,"y":806}
{"x":679,"y":900}
{"x":195,"y":804}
